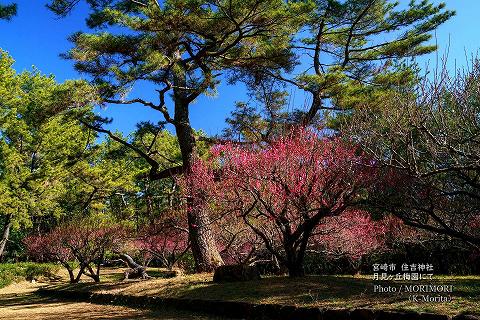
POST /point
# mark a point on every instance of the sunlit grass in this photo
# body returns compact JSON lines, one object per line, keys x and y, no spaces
{"x":338,"y":292}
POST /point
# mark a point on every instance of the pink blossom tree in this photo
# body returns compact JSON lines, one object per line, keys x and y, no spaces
{"x":49,"y":248}
{"x":236,"y":242}
{"x":283,"y":190}
{"x":166,"y":239}
{"x":351,"y":234}
{"x":202,"y":189}
{"x":84,"y":243}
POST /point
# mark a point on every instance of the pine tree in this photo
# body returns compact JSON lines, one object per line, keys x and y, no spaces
{"x":37,"y":146}
{"x":182,"y":47}
{"x":351,"y":53}
{"x":8,"y":11}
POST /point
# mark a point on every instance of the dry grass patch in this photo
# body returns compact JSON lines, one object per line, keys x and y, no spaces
{"x":322,"y":291}
{"x":18,"y":301}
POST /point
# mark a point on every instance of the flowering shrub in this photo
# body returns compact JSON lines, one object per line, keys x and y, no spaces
{"x":352,"y":234}
{"x":82,"y":243}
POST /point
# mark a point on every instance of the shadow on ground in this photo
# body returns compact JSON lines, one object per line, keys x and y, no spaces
{"x":28,"y":305}
{"x":321,"y":291}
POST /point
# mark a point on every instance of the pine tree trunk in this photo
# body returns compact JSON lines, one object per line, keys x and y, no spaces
{"x":204,"y":249}
{"x":313,"y":111}
{"x":203,"y":246}
{"x":5,"y":235}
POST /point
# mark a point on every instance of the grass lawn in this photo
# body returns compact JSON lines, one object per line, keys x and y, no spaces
{"x":322,"y":291}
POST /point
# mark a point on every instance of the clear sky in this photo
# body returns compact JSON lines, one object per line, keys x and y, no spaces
{"x":36,"y":38}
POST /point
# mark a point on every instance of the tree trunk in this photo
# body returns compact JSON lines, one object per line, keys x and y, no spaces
{"x":294,"y":263}
{"x":313,"y":110}
{"x":5,"y":235}
{"x":204,"y":249}
{"x":296,"y":254}
{"x":92,"y":274}
{"x":71,"y":275}
{"x":203,"y":246}
{"x":136,"y":270}
{"x":296,"y":270}
{"x":148,"y":202}
{"x":79,"y":275}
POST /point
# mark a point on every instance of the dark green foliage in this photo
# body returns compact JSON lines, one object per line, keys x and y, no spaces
{"x":37,"y":147}
{"x":51,"y":167}
{"x":8,"y":11}
{"x":16,"y":248}
{"x":162,"y":43}
{"x":352,"y":54}
{"x":187,"y":263}
{"x":357,"y":46}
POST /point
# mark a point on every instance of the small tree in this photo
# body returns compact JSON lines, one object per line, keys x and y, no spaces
{"x":166,"y":239}
{"x":283,"y":191}
{"x":49,"y":247}
{"x":81,"y":242}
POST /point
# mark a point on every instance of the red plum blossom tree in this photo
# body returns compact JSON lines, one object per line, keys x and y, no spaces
{"x":283,"y":190}
{"x":84,"y":243}
{"x":352,"y":234}
{"x":166,"y":239}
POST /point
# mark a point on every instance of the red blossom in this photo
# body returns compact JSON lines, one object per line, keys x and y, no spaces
{"x":351,"y":234}
{"x":165,"y":239}
{"x":82,"y":242}
{"x":283,"y":190}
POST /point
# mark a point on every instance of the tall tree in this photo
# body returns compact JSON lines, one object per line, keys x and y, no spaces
{"x":352,"y":52}
{"x":182,"y":48}
{"x":283,"y":192}
{"x":429,"y":143}
{"x":36,"y":146}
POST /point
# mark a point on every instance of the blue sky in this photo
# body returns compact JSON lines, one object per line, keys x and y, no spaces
{"x":36,"y":38}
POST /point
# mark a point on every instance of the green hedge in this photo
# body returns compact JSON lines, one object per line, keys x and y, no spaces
{"x":10,"y":272}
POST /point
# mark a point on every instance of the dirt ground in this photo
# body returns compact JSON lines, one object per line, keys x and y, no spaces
{"x":19,"y":302}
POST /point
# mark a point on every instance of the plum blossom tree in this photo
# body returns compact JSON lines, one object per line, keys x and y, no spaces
{"x":166,"y":239}
{"x":85,"y":243}
{"x":283,"y":190}
{"x":352,"y":234}
{"x":49,"y":247}
{"x":236,"y":242}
